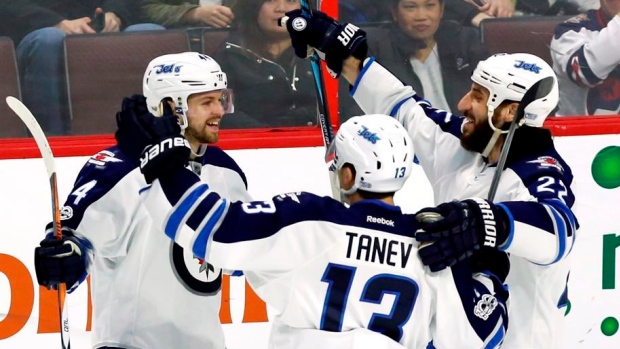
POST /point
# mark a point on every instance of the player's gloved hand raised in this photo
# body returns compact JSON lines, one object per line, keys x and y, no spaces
{"x":61,"y":260}
{"x":334,"y":41}
{"x":465,"y":227}
{"x":156,"y":141}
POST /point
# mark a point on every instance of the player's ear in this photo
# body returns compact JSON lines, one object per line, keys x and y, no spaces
{"x":509,"y":113}
{"x":347,"y":176}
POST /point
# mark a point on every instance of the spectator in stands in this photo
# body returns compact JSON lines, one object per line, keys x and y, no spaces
{"x":40,"y":31}
{"x":188,"y":13}
{"x":435,"y":57}
{"x":586,"y":58}
{"x":274,"y":87}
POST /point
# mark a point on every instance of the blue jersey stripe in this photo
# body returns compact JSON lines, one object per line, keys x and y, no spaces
{"x":511,"y":233}
{"x":181,"y":210}
{"x":560,"y":232}
{"x":361,"y":74}
{"x":199,"y":246}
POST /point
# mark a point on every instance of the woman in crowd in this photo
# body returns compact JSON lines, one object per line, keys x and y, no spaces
{"x":272,"y":86}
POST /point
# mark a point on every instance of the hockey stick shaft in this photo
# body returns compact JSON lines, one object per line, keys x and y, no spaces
{"x":323,"y":116}
{"x":539,"y":89}
{"x":48,"y":158}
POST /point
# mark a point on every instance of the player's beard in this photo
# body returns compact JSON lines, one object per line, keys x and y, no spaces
{"x":200,"y":134}
{"x":477,"y":139}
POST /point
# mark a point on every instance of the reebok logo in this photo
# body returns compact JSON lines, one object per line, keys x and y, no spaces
{"x":490,"y":237}
{"x":347,"y":33}
{"x":380,"y":220}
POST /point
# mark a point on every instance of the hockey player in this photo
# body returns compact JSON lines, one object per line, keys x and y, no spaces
{"x":531,"y":217}
{"x":148,"y":292}
{"x":586,"y":56}
{"x":326,"y":266}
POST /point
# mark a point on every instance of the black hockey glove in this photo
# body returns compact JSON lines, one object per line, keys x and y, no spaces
{"x":156,"y":141}
{"x":334,"y":41}
{"x":61,"y":260}
{"x":466,"y":226}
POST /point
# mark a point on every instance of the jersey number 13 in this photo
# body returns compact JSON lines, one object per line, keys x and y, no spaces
{"x":339,"y":279}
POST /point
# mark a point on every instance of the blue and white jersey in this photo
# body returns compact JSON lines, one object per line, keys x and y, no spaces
{"x":535,"y":190}
{"x":586,"y":58}
{"x":325,"y":266}
{"x":147,"y":292}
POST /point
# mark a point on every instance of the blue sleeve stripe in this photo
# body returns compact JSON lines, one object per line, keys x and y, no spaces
{"x":210,"y":224}
{"x":511,"y":233}
{"x":497,"y":336}
{"x":361,"y":74}
{"x":394,"y":110}
{"x":202,"y":209}
{"x":560,"y":231}
{"x":181,"y":210}
{"x":567,"y":213}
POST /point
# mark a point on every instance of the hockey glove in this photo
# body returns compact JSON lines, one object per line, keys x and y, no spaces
{"x":156,"y":141}
{"x":466,"y":227}
{"x":334,"y":41}
{"x":61,"y":260}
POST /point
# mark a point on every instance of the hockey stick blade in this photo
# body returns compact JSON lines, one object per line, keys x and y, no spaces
{"x":48,"y":158}
{"x":540,"y":89}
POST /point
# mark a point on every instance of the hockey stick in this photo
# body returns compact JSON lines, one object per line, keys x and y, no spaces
{"x":324,"y":119}
{"x":48,"y":158}
{"x":540,"y":89}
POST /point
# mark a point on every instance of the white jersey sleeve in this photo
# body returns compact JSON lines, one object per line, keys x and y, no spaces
{"x":435,"y":133}
{"x":586,"y":54}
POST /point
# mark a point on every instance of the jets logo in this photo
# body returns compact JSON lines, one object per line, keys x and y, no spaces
{"x":103,"y":157}
{"x":196,"y":275}
{"x":547,"y":161}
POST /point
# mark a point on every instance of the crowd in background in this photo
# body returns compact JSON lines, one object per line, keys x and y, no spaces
{"x":432,"y":45}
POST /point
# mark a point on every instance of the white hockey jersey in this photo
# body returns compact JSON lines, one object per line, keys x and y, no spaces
{"x":586,"y":58}
{"x":148,"y":293}
{"x":535,"y":190}
{"x":324,"y":266}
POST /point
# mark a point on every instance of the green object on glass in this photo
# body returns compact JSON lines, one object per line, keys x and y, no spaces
{"x":609,"y":326}
{"x":606,"y":167}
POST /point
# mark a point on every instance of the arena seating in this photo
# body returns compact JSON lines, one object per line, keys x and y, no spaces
{"x":12,"y":126}
{"x":531,"y":34}
{"x":104,"y":68}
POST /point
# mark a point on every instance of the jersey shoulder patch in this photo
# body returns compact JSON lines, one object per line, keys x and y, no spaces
{"x":585,"y":20}
{"x":217,"y":157}
{"x":101,"y":172}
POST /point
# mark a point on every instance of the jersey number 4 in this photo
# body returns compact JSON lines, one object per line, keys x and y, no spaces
{"x":339,"y":279}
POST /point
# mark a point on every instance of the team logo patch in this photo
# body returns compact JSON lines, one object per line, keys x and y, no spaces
{"x":546,"y":162}
{"x":485,"y":306}
{"x":66,"y":212}
{"x":532,"y":67}
{"x":299,"y":24}
{"x":195,"y":274}
{"x":103,"y":157}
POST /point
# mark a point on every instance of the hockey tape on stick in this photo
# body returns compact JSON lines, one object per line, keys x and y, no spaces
{"x":50,"y":165}
{"x":540,"y":89}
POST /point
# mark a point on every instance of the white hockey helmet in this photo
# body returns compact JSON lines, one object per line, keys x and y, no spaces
{"x":380,"y":150}
{"x":177,"y":76}
{"x":508,"y":76}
